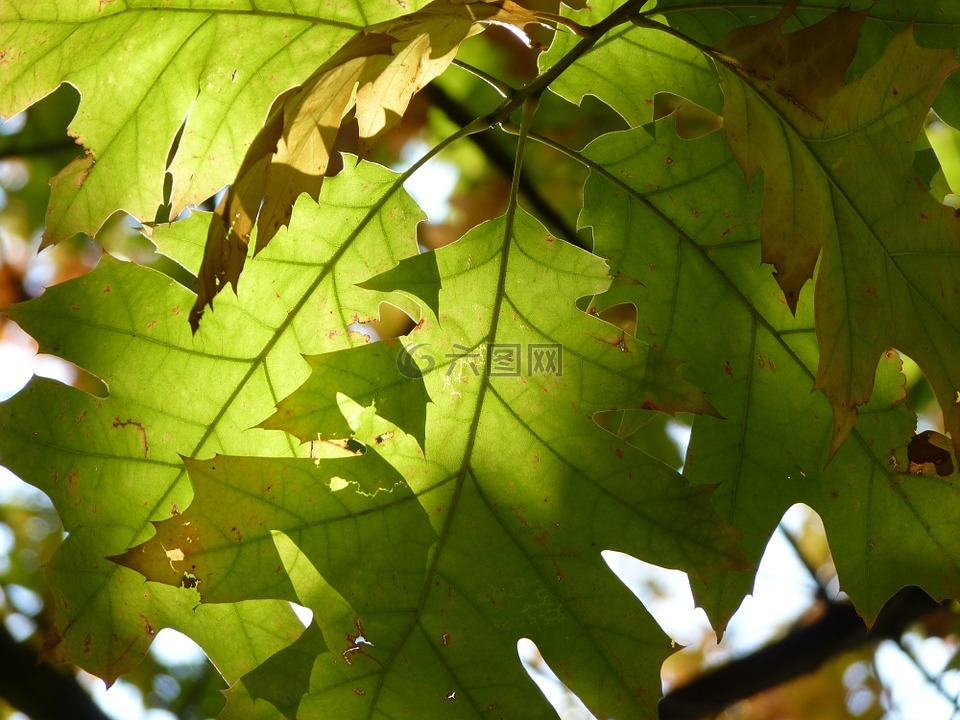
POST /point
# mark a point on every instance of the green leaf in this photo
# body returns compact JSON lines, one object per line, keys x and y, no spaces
{"x":704,"y":297}
{"x":811,"y":135}
{"x":161,"y":65}
{"x":627,"y":68}
{"x":285,"y":678}
{"x":512,"y":559}
{"x":418,"y":276}
{"x":112,"y":465}
{"x":378,"y":374}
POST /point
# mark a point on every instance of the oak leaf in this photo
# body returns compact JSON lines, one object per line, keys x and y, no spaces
{"x":434,"y":555}
{"x":838,"y":179}
{"x":378,"y":71}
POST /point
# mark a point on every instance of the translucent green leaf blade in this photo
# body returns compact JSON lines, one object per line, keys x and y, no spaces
{"x":704,"y":297}
{"x":507,"y":481}
{"x":213,"y":70}
{"x":381,"y":375}
{"x":112,"y":465}
{"x":629,"y":66}
{"x":523,"y":490}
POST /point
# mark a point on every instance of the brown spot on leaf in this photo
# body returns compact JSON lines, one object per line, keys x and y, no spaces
{"x":73,"y":481}
{"x":147,"y":627}
{"x":118,"y":423}
{"x":560,"y":574}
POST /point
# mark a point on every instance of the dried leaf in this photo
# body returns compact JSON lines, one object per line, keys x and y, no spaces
{"x":379,"y":70}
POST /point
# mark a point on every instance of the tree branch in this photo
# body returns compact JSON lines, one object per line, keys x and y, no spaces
{"x":802,"y":651}
{"x":37,"y":689}
{"x":498,"y":156}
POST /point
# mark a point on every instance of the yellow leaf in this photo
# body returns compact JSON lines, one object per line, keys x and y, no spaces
{"x":379,"y":70}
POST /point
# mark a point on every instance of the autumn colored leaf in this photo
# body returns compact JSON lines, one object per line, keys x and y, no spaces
{"x":788,"y":113}
{"x":378,"y":71}
{"x":212,"y":72}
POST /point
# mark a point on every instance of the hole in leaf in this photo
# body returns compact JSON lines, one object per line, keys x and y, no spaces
{"x":163,"y":211}
{"x":563,"y":699}
{"x":172,"y":648}
{"x":920,"y":396}
{"x":655,"y":433}
{"x":304,"y":615}
{"x":692,"y":121}
{"x":393,"y":322}
{"x":337,"y":483}
{"x":937,"y":159}
{"x":623,"y":315}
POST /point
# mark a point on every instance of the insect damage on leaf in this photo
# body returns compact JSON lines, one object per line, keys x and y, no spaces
{"x":837,"y":163}
{"x":929,"y":452}
{"x":378,"y":71}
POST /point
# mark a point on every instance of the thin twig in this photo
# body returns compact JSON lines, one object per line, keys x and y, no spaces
{"x":926,"y":675}
{"x":808,"y":566}
{"x":500,"y":159}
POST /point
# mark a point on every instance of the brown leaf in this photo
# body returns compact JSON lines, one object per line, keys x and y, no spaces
{"x":802,"y":73}
{"x":379,"y":70}
{"x":838,"y":177}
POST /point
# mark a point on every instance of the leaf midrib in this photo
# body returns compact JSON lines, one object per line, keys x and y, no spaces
{"x":752,"y":310}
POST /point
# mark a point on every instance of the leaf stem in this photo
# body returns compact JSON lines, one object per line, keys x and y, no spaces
{"x":648,"y":24}
{"x":571,"y":25}
{"x":530,"y":105}
{"x":536,"y":88}
{"x":501,"y":87}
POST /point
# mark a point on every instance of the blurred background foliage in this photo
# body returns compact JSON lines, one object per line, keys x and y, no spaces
{"x":465,"y":185}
